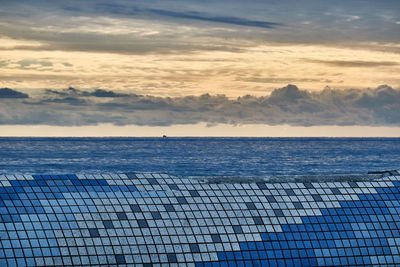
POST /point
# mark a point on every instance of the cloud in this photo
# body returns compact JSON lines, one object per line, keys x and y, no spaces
{"x":218,"y":19}
{"x":72,"y":92}
{"x":29,"y":62}
{"x":288,"y":94}
{"x":123,"y":37}
{"x":287,"y":105}
{"x":123,"y":9}
{"x":73,"y":101}
{"x":124,"y":27}
{"x":105,"y":93}
{"x":356,"y":63}
{"x":280,"y":79}
{"x":9,"y":93}
{"x":142,"y":27}
{"x":3,"y":63}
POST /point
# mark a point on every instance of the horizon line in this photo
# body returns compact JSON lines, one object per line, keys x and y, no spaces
{"x":197,"y":136}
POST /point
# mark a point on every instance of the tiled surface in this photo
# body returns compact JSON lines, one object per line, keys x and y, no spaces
{"x":157,"y":219}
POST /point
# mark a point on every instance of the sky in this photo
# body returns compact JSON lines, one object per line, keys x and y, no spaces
{"x":208,"y":68}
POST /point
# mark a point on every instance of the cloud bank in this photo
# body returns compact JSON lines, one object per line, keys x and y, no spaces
{"x":9,"y":93}
{"x":287,"y":105}
{"x":141,"y":27}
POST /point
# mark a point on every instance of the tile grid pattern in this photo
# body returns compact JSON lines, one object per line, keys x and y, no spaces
{"x":157,"y":219}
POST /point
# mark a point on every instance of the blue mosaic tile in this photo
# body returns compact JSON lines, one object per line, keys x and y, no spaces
{"x":152,"y":219}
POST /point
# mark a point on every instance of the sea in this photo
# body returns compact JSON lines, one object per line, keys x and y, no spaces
{"x":199,"y":156}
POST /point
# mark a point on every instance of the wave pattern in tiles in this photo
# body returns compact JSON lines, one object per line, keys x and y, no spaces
{"x":157,"y":219}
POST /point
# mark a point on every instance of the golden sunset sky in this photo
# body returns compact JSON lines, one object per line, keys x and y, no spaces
{"x":149,"y":68}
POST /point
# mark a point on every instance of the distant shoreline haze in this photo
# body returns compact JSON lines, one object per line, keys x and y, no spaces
{"x":197,"y":130}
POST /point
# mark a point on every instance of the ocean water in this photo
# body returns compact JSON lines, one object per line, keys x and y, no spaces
{"x":199,"y":156}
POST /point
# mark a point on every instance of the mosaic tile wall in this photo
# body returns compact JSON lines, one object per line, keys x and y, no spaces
{"x":156,"y":219}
